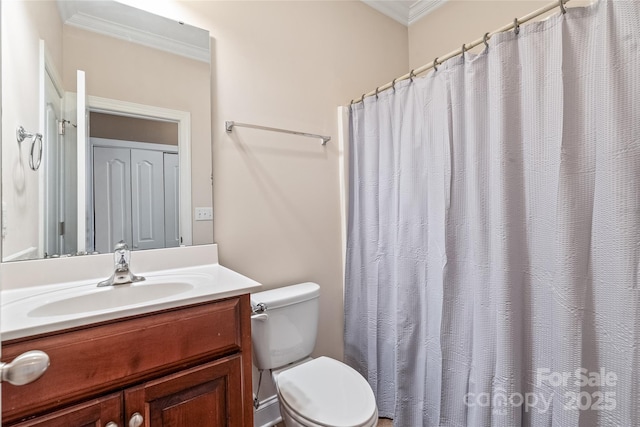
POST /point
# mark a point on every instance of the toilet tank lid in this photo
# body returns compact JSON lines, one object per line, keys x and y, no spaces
{"x":281,"y":297}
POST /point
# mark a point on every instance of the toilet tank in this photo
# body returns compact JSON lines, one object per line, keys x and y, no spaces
{"x":286,"y":331}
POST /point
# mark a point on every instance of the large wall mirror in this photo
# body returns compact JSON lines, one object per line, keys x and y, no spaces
{"x":115,"y":107}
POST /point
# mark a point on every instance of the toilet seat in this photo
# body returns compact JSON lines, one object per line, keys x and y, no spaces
{"x":326,"y":392}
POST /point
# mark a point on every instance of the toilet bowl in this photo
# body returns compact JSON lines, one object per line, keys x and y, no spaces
{"x":325,"y":392}
{"x":321,"y":392}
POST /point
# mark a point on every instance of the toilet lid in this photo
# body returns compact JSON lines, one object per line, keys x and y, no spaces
{"x":327,"y":392}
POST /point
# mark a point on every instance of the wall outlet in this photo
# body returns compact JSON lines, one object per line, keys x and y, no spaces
{"x":204,"y":214}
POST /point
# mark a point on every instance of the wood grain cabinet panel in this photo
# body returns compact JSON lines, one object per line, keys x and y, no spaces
{"x":94,"y":413}
{"x":208,"y":395}
{"x":189,"y":366}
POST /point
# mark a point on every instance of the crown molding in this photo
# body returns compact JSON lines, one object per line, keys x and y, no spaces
{"x":422,"y":8}
{"x":112,"y":29}
{"x":72,"y":15}
{"x":396,"y":10}
{"x":405,"y":12}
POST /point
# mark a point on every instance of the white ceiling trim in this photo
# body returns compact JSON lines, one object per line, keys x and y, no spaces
{"x":405,"y":12}
{"x":396,"y":10}
{"x":421,"y":8}
{"x":72,"y":15}
{"x":112,"y":29}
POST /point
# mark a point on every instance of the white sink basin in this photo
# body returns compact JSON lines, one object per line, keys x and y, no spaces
{"x":43,"y":296}
{"x":107,"y":298}
{"x":40,"y":309}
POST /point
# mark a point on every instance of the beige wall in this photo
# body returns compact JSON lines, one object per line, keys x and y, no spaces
{"x":462,"y":21}
{"x":276,"y":197}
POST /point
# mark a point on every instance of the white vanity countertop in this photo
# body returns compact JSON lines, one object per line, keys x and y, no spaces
{"x":23,"y":314}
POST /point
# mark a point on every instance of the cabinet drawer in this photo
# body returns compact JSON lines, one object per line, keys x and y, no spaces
{"x":97,"y":412}
{"x":94,"y":360}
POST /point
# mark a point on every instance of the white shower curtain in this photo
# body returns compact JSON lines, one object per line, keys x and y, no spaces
{"x":494,"y":231}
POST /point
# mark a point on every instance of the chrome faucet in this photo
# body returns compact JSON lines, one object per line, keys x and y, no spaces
{"x":122,"y":275}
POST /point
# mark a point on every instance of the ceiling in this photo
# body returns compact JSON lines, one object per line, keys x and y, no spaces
{"x":405,"y":12}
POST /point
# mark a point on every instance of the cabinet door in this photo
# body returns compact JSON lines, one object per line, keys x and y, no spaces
{"x":94,"y":413}
{"x":208,"y":395}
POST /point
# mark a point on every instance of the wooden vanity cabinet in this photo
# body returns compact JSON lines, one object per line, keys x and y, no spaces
{"x":189,"y":366}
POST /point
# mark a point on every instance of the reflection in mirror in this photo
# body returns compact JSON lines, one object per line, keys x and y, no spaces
{"x":135,"y":177}
{"x":122,"y":99}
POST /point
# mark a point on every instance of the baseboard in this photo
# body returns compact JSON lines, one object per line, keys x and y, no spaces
{"x":268,"y":413}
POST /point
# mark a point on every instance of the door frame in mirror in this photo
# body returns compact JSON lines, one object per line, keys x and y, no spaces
{"x":46,"y":68}
{"x":183,"y":119}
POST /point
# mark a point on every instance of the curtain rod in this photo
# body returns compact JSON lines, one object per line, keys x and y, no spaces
{"x":467,"y":46}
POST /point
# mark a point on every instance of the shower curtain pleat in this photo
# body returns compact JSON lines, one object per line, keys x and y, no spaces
{"x":494,"y":230}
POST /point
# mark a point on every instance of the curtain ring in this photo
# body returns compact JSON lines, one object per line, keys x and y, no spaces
{"x":516,"y":26}
{"x":351,"y":104}
{"x":377,"y":92}
{"x":393,"y":84}
{"x":362,"y":98}
{"x":411,"y":76}
{"x":485,"y":40}
{"x":562,"y":8}
{"x":435,"y":64}
{"x":462,"y":51}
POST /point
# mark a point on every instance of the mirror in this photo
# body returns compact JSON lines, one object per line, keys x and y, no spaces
{"x":115,"y":102}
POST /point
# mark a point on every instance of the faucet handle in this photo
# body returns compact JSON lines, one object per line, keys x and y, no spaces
{"x":121,"y":245}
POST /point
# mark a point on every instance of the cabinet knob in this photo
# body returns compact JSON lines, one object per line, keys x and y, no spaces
{"x":111,"y":424}
{"x":25,"y":368}
{"x":136,"y":420}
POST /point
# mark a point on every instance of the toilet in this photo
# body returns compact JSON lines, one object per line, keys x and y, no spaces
{"x":320,"y":392}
